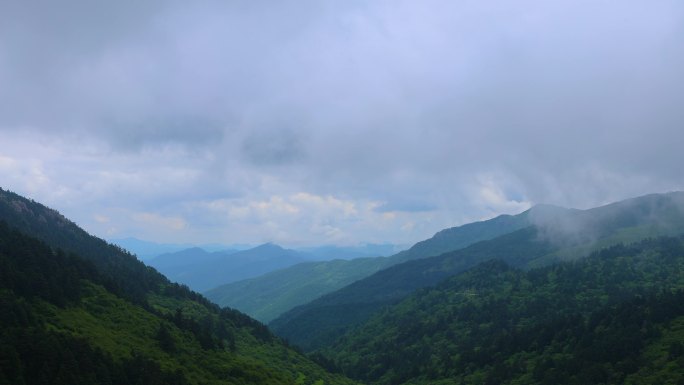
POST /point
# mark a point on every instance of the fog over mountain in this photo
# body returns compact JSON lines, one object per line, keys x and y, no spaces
{"x":318,"y":122}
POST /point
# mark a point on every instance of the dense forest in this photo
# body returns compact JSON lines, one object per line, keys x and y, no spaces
{"x":105,"y":318}
{"x":74,"y":309}
{"x":553,"y":234}
{"x":269,"y":296}
{"x":614,"y":317}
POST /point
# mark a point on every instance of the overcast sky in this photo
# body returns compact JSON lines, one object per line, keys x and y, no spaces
{"x":319,"y":122}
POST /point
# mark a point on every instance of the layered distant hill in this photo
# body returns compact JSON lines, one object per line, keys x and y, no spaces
{"x":146,"y":250}
{"x":268,"y":296}
{"x":202,"y":270}
{"x":549,"y":296}
{"x":545,"y":235}
{"x":76,"y":310}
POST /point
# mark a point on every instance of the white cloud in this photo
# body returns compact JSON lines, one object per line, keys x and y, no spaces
{"x":102,"y":218}
{"x":153,"y":219}
{"x":494,"y":200}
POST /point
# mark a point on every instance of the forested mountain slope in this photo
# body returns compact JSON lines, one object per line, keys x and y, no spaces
{"x":456,"y":238}
{"x":106,"y":318}
{"x":615,"y":317}
{"x":320,"y":322}
{"x":267,"y":297}
{"x":555,"y":234}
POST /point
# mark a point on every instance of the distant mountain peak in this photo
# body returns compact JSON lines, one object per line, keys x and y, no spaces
{"x":196,"y":249}
{"x":268,"y":246}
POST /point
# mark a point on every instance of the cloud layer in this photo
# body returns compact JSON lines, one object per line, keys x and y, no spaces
{"x":335,"y":122}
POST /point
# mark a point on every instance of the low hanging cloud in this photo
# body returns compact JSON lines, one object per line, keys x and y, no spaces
{"x":421,"y":115}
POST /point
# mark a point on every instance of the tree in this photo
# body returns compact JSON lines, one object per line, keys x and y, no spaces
{"x":165,"y":339}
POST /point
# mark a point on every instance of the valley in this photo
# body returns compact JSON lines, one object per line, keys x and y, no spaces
{"x":546,"y":296}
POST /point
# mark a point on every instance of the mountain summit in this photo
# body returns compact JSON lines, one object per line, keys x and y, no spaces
{"x":202,"y":270}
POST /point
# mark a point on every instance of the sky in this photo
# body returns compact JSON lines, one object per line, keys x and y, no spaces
{"x":335,"y":122}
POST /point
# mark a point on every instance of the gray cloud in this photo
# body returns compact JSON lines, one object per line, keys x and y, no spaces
{"x":406,"y":206}
{"x":274,"y":147}
{"x":441,"y":111}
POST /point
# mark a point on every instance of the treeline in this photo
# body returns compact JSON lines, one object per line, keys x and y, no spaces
{"x":29,"y":354}
{"x":124,"y":270}
{"x":584,"y":322}
{"x":30,"y":268}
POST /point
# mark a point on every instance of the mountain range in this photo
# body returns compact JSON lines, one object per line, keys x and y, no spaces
{"x":552,"y":234}
{"x":202,"y":270}
{"x":615,"y":317}
{"x":548,"y":296}
{"x":77,"y":310}
{"x":268,"y":296}
{"x":145,"y":250}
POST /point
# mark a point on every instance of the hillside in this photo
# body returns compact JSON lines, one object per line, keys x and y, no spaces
{"x":555,"y":235}
{"x":202,"y":270}
{"x":270,"y":295}
{"x":267,"y":297}
{"x":320,"y":322}
{"x":104,"y":317}
{"x":615,"y":317}
{"x":455,"y":238}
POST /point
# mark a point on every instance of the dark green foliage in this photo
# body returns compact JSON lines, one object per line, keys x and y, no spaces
{"x":30,"y":268}
{"x":65,"y":319}
{"x":584,"y":322}
{"x":123,"y":269}
{"x":166,"y":342}
{"x":321,"y":322}
{"x":34,"y":356}
{"x":269,"y":296}
{"x":555,"y":234}
{"x":31,"y":355}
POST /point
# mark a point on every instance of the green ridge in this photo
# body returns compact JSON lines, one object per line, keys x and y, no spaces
{"x":554,"y":235}
{"x":613,"y":318}
{"x":268,"y":296}
{"x":67,"y":319}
